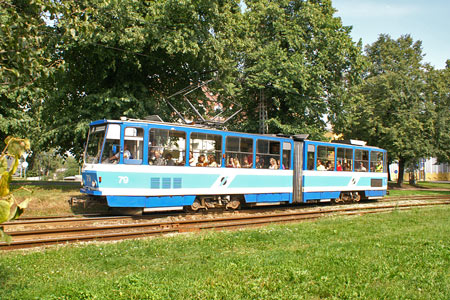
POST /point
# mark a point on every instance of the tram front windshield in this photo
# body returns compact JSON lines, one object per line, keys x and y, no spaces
{"x":94,"y":145}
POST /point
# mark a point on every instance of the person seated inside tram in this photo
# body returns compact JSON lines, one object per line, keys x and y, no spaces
{"x":169,"y":160}
{"x":379,"y":167}
{"x":362,"y":168}
{"x":191,"y":160}
{"x":126,"y":154}
{"x":338,"y":166}
{"x":230,"y":163}
{"x":201,"y":161}
{"x":280,"y":166}
{"x":273,"y":164}
{"x":237,"y":164}
{"x":212,"y":162}
{"x":347,"y":167}
{"x":245,"y":163}
{"x":158,"y":161}
{"x":329,"y":166}
{"x":259,"y":163}
{"x":320,"y":166}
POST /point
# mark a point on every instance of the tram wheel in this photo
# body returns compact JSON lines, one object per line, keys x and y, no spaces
{"x":356,"y":197}
{"x":196,"y":205}
{"x":235,"y":204}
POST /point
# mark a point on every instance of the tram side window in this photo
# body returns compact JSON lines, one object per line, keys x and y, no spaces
{"x":286,"y":156}
{"x":111,"y":150}
{"x":376,"y":161}
{"x":133,"y":145}
{"x":310,"y":158}
{"x":206,"y":150}
{"x":344,"y":159}
{"x":325,"y":158}
{"x":361,"y":160}
{"x":267,"y":154}
{"x":166,"y":147}
{"x":239,"y":152}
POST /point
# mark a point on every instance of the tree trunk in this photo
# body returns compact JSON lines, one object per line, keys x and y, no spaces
{"x":389,"y":171}
{"x":401,"y":171}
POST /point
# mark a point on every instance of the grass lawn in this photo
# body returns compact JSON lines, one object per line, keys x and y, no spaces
{"x":394,"y":193}
{"x":398,"y":255}
{"x":47,"y":200}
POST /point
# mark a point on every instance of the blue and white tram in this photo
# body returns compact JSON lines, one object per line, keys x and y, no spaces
{"x":151,"y":165}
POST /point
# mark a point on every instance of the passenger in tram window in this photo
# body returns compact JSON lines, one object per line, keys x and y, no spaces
{"x":230,"y":163}
{"x":151,"y":157}
{"x":169,"y":160}
{"x":379,"y":167}
{"x":330,"y":166}
{"x":191,"y":160}
{"x":273,"y":164}
{"x":245,"y":163}
{"x":279,"y":165}
{"x":338,"y":166}
{"x":159,"y":161}
{"x":212,"y":162}
{"x":348,"y":167}
{"x":201,"y":161}
{"x":258,"y":163}
{"x":126,"y":154}
{"x":237,"y":164}
{"x":362,"y":168}
{"x":320,"y":166}
{"x":250,"y":160}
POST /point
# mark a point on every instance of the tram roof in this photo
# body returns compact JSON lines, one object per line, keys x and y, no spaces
{"x":193,"y":126}
{"x":297,"y":137}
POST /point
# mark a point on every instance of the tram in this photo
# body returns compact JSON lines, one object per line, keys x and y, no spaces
{"x":142,"y":165}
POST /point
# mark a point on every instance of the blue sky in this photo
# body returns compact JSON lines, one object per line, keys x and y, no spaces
{"x":428,"y":21}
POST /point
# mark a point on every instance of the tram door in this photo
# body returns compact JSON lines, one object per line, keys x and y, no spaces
{"x":298,"y":174}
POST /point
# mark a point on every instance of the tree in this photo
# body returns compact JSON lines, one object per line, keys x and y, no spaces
{"x":438,"y":90}
{"x":27,"y":59}
{"x":390,"y":109}
{"x":23,"y":62}
{"x":299,"y":58}
{"x":132,"y":55}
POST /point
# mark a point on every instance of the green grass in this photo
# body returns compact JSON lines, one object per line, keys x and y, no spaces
{"x":393,"y":193}
{"x":398,"y":255}
{"x":434,"y":185}
{"x":47,"y":200}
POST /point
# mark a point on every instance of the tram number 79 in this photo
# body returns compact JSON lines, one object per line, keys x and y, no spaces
{"x":123,"y":179}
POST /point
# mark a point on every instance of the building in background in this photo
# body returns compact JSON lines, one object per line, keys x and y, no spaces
{"x":427,"y":170}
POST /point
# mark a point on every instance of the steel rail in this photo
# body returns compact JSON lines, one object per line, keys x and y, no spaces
{"x":29,"y":220}
{"x":26,"y":239}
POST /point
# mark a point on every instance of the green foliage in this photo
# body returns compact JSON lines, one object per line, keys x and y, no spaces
{"x":438,"y":90}
{"x":392,"y":107}
{"x":398,"y":255}
{"x":299,"y":58}
{"x":106,"y":59}
{"x":29,"y":43}
{"x":9,"y":208}
{"x":72,"y":167}
{"x":130,"y":56}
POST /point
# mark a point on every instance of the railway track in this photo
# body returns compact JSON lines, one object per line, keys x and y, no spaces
{"x":89,"y":218}
{"x":79,"y":229}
